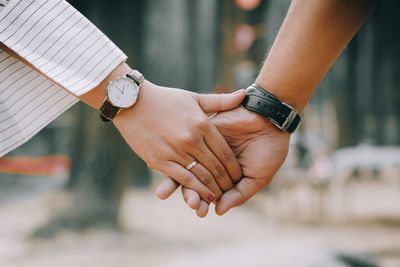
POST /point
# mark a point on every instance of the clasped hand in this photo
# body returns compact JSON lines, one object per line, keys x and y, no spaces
{"x":238,"y":152}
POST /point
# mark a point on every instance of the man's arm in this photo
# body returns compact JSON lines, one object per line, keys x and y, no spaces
{"x":312,"y":36}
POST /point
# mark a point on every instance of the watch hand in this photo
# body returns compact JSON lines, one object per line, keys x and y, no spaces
{"x":123,"y":89}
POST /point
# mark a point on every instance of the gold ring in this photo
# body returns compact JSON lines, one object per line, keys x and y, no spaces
{"x":191,"y":165}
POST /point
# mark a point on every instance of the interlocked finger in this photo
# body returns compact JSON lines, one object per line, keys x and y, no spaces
{"x":214,"y":166}
{"x":193,"y":200}
{"x":188,"y":179}
{"x":207,"y":179}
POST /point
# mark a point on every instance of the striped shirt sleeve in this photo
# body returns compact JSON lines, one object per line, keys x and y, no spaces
{"x":28,"y":102}
{"x":3,"y":4}
{"x":70,"y":55}
{"x":60,"y":42}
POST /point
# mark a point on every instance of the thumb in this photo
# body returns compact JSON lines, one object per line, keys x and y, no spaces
{"x":238,"y":195}
{"x":210,"y":103}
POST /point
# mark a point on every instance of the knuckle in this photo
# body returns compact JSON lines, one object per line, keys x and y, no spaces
{"x":188,"y":139}
{"x":202,"y":124}
{"x":226,"y":156}
{"x":219,"y":171}
{"x":186,"y":179}
{"x":154,"y":159}
{"x":159,"y":155}
{"x":152,"y":164}
{"x":206,"y":179}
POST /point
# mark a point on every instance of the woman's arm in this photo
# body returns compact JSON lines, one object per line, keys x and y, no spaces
{"x":167,"y":127}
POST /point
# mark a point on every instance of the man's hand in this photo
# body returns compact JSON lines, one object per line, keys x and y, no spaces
{"x":261,"y":149}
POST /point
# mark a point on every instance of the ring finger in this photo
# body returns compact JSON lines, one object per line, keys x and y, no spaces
{"x":201,"y":173}
{"x":188,"y":179}
{"x":203,"y":154}
{"x":206,"y":178}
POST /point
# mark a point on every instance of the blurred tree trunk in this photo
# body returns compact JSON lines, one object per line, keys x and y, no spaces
{"x":385,"y":25}
{"x":180,"y":43}
{"x":364,"y":83}
{"x":343,"y":82}
{"x":102,"y":163}
{"x":228,"y":51}
{"x":100,"y":170}
{"x":204,"y":44}
{"x":368,"y":96}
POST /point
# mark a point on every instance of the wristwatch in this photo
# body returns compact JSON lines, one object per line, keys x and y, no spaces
{"x":279,"y":113}
{"x":122,"y":93}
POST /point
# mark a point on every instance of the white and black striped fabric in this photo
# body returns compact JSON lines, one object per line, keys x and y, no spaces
{"x":70,"y":55}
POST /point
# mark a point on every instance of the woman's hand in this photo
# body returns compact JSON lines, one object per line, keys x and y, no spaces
{"x":260,"y":147}
{"x":169,"y":129}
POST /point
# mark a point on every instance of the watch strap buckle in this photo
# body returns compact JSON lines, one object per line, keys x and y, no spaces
{"x":282,"y":115}
{"x":136,"y":76}
{"x":290,"y":118}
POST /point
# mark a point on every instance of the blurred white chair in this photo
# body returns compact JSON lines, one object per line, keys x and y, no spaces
{"x":361,"y":162}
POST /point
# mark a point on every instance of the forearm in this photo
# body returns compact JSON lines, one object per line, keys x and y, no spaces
{"x":312,"y":36}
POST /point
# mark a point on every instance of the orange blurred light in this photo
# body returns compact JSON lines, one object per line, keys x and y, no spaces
{"x":40,"y":166}
{"x":248,"y":5}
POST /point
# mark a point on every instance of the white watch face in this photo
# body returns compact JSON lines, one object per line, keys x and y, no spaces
{"x":122,"y":92}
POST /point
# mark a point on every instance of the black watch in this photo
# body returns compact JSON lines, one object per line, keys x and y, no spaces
{"x":122,"y":93}
{"x":279,"y":113}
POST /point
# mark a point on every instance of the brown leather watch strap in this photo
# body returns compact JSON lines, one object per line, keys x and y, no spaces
{"x":108,"y":111}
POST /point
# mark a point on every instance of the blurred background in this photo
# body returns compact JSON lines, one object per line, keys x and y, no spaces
{"x":76,"y":196}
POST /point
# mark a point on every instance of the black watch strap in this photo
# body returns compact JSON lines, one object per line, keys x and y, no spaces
{"x":108,"y":111}
{"x":281,"y":114}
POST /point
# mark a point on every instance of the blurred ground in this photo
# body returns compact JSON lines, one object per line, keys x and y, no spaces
{"x":167,"y":234}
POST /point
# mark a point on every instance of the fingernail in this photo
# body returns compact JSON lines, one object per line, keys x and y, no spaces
{"x":160,"y":192}
{"x":220,"y":212}
{"x":191,"y":202}
{"x":212,"y":199}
